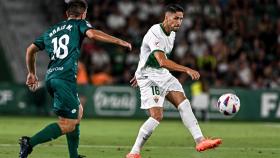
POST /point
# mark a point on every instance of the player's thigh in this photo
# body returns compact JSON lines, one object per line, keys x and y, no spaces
{"x":66,"y":101}
{"x":151,"y":95}
{"x":176,"y":94}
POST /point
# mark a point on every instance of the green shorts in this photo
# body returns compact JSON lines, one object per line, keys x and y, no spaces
{"x":65,"y":98}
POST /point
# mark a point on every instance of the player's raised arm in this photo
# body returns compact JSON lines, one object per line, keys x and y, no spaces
{"x":31,"y":81}
{"x":103,"y":37}
{"x":172,"y":66}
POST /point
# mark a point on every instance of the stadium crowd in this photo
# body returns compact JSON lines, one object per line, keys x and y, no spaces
{"x":231,"y":42}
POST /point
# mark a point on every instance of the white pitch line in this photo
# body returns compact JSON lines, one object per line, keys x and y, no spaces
{"x":148,"y":147}
{"x":273,"y":125}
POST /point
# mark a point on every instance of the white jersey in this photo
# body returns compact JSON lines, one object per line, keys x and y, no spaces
{"x":156,"y":39}
{"x":154,"y":81}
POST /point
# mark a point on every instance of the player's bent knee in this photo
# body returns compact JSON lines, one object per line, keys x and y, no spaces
{"x":81,"y":111}
{"x":156,"y":113}
{"x":157,"y":117}
{"x":67,"y":125}
{"x":68,"y":128}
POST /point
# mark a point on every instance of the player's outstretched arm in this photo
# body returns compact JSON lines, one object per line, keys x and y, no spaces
{"x":103,"y":37}
{"x":172,"y":66}
{"x":32,"y":80}
{"x":133,"y":82}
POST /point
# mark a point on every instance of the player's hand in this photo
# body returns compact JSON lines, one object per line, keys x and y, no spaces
{"x":127,"y":45}
{"x":133,"y":82}
{"x":32,"y":82}
{"x":194,"y":74}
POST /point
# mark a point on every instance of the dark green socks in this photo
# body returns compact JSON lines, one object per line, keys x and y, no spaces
{"x":52,"y":131}
{"x":73,"y":142}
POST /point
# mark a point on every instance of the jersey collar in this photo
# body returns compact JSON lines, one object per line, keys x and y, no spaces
{"x":161,"y":26}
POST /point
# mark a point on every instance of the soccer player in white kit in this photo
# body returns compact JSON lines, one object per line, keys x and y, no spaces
{"x":156,"y":82}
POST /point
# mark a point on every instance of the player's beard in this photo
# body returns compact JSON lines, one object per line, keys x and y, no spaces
{"x":175,"y":29}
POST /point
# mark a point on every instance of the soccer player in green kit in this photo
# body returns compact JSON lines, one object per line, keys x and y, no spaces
{"x":62,"y":42}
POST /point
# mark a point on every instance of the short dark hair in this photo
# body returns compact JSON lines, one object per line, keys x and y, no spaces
{"x":173,"y":8}
{"x":76,"y":7}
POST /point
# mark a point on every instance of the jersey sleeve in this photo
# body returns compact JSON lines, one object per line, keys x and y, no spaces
{"x":156,"y":44}
{"x":84,"y":26}
{"x":39,"y":42}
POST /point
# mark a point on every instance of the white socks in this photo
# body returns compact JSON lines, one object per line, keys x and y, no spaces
{"x":145,"y":132}
{"x":189,"y":119}
{"x":149,"y":126}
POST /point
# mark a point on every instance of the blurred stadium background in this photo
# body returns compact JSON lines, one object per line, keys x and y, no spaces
{"x":235,"y":45}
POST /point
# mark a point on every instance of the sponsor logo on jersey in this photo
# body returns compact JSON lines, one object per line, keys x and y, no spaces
{"x":54,"y":69}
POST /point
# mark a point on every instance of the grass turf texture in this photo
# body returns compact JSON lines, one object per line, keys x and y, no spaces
{"x":113,"y":138}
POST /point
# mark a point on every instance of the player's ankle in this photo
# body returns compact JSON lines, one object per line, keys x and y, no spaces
{"x":135,"y":150}
{"x":199,"y":140}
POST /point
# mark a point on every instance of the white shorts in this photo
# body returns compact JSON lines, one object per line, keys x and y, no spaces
{"x":154,"y":89}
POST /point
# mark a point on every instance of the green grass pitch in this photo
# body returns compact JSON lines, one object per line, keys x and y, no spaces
{"x":113,"y":138}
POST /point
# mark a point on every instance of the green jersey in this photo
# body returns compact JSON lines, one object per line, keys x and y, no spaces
{"x":62,"y":42}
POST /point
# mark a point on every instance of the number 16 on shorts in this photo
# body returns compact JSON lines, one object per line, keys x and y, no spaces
{"x":151,"y":96}
{"x":155,"y":90}
{"x":156,"y":93}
